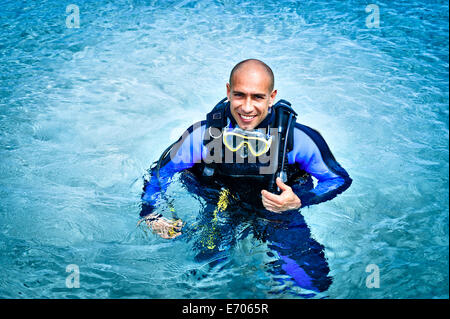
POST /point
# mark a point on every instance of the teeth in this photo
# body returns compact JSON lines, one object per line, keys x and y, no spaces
{"x":247,"y":117}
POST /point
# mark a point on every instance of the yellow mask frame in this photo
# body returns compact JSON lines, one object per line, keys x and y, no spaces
{"x":247,"y":138}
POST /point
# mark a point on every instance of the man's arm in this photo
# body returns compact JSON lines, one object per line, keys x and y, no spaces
{"x":184,"y":154}
{"x":313,"y":155}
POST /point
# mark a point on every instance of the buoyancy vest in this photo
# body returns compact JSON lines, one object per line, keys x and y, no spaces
{"x":232,"y":167}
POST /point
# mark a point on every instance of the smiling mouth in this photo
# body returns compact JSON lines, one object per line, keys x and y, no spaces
{"x":247,"y":118}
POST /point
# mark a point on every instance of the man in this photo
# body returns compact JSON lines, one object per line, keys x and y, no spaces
{"x":297,"y":152}
{"x":252,"y":163}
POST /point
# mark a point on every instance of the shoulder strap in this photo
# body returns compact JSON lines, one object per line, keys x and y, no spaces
{"x":285,"y":104}
{"x":285,"y":107}
{"x":216,"y":118}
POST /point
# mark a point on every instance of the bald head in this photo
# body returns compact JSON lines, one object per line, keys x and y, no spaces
{"x":253,"y":65}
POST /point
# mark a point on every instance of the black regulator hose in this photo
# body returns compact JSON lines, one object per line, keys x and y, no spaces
{"x":282,"y":174}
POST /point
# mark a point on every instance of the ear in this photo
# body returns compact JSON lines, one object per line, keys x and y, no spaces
{"x":228,"y":91}
{"x":272,"y":97}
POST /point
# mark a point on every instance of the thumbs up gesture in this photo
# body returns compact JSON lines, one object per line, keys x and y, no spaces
{"x":287,"y":200}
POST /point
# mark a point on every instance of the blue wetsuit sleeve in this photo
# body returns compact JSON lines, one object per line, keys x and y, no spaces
{"x":313,"y":155}
{"x":187,"y":151}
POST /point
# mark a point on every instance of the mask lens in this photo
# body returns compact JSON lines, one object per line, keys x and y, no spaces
{"x":233,"y":141}
{"x":259,"y":146}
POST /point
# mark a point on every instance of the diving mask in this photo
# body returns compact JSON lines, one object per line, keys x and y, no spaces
{"x":257,"y":142}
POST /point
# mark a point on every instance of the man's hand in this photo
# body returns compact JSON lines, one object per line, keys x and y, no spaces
{"x":287,"y":200}
{"x":162,"y":226}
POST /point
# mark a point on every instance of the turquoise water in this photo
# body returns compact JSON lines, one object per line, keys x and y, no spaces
{"x":85,"y":111}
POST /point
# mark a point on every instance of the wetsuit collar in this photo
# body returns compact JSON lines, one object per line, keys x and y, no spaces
{"x":267,"y":121}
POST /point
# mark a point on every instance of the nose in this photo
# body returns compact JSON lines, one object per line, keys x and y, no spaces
{"x":247,"y":106}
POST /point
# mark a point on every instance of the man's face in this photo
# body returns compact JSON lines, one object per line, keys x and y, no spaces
{"x":250,"y":97}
